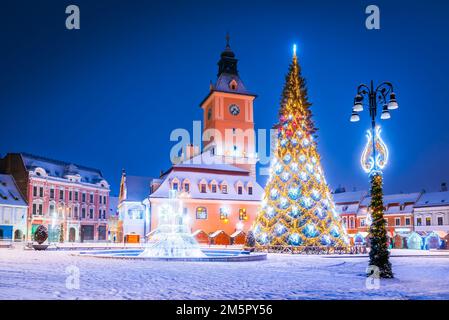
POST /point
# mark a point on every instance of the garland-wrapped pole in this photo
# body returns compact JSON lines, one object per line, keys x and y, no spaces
{"x":374,"y":159}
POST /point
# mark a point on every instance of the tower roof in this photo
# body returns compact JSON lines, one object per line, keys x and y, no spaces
{"x":228,"y":79}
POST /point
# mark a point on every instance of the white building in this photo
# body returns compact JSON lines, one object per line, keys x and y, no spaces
{"x":432,"y":213}
{"x":13,"y":210}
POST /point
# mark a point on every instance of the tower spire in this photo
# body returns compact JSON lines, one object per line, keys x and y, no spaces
{"x":228,"y":62}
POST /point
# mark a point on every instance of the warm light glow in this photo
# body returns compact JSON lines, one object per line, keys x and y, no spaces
{"x":294,"y":49}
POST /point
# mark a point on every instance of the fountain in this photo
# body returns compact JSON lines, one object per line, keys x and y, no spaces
{"x":173,"y":241}
{"x":172,"y":237}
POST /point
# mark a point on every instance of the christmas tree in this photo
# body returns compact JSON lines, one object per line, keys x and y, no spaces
{"x":297,"y":209}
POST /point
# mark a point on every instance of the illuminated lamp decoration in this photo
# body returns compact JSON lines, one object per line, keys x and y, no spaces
{"x":367,"y":161}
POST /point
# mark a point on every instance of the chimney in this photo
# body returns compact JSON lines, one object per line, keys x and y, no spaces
{"x":443,"y":187}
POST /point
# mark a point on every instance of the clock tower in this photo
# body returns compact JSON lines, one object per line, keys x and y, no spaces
{"x":228,"y":116}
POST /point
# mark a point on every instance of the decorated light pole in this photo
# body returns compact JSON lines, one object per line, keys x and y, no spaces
{"x":374,"y":158}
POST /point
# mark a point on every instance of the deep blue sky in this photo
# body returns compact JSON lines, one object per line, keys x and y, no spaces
{"x":109,"y":95}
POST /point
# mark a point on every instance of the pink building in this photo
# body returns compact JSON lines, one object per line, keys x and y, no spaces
{"x":72,"y":201}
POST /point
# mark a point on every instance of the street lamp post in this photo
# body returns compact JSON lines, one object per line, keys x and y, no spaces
{"x":374,"y":158}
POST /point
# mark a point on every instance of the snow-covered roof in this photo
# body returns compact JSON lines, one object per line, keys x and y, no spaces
{"x":138,"y":188}
{"x":349,"y":197}
{"x":207,"y":168}
{"x":223,"y":84}
{"x":433,"y":199}
{"x":236,"y":233}
{"x":59,"y":169}
{"x":216,"y":233}
{"x":400,"y":198}
{"x":9,"y":193}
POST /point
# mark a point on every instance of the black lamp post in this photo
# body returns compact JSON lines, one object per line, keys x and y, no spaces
{"x":373,"y":160}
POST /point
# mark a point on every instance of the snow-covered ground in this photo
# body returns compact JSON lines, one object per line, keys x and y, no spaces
{"x":43,"y":275}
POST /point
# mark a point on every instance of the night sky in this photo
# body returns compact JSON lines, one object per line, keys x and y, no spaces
{"x":109,"y":95}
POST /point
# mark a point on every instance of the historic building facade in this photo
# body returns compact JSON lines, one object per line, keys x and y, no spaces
{"x":431,"y":213}
{"x":217,"y":186}
{"x":13,"y":211}
{"x":71,"y":200}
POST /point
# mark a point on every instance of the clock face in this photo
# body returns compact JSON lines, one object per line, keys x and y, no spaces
{"x":234,"y":109}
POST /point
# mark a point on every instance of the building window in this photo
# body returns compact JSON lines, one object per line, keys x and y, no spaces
{"x":362,"y":222}
{"x":75,"y":211}
{"x":52,"y":210}
{"x":187,"y":187}
{"x":52,"y":193}
{"x":91,"y":198}
{"x":203,"y":188}
{"x":209,"y":113}
{"x":242,"y":214}
{"x":70,"y":195}
{"x":407,"y":221}
{"x":351,"y":222}
{"x":76,"y":195}
{"x":214,"y":188}
{"x":250,"y":190}
{"x":83,"y":197}
{"x":224,"y":189}
{"x":83,"y":213}
{"x":239,"y":190}
{"x":428,"y":221}
{"x":224,"y":214}
{"x":345,"y":208}
{"x":418,"y":222}
{"x":91,"y":213}
{"x":201,"y":213}
{"x":61,"y":194}
{"x":175,"y":186}
{"x":397,"y":221}
{"x":41,"y":192}
{"x":440,"y":221}
{"x":37,"y":209}
{"x":34,"y":191}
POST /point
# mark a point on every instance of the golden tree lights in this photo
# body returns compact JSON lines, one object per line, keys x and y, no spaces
{"x":297,"y":209}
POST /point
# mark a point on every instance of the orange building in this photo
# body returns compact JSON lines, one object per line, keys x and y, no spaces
{"x":218,"y":188}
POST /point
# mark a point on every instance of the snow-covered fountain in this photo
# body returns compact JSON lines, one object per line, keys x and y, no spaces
{"x":172,"y":238}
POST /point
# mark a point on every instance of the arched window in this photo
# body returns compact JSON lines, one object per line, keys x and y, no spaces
{"x":201,"y":213}
{"x":233,"y":84}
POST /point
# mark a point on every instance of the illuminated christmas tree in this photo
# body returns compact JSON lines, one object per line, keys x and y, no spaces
{"x":297,"y":209}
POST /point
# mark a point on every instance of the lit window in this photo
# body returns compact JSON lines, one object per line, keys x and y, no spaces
{"x":419,"y":222}
{"x":201,"y":213}
{"x":224,"y":214}
{"x":242,"y":214}
{"x":428,"y":221}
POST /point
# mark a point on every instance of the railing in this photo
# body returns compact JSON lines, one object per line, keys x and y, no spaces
{"x":314,"y":250}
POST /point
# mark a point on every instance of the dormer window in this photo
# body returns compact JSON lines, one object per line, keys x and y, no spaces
{"x":175,"y":186}
{"x":250,"y":190}
{"x":203,"y":188}
{"x":187,"y":187}
{"x":239,"y":190}
{"x":224,"y":189}
{"x":214,"y":188}
{"x":233,"y":84}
